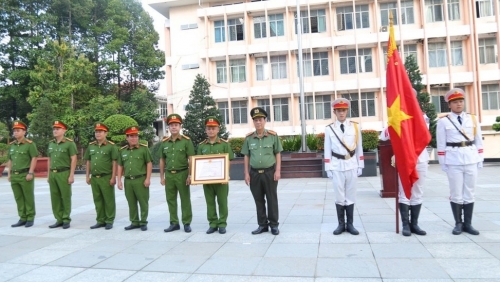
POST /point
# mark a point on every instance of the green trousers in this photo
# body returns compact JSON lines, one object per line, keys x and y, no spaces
{"x":136,"y":192}
{"x":217,"y":192}
{"x":176,"y":183}
{"x":104,"y":199}
{"x":60,"y":196}
{"x":24,"y":194}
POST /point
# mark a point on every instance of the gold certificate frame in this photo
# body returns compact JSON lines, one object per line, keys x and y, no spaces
{"x":210,"y":169}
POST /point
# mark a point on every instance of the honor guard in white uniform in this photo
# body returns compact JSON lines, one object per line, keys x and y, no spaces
{"x":344,"y":162}
{"x":410,"y":208}
{"x":460,"y":153}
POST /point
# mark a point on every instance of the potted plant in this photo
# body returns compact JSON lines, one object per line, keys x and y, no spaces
{"x":370,"y":143}
{"x":236,"y":169}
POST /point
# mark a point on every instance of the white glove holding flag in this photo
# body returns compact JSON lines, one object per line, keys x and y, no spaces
{"x":329,"y":173}
{"x":360,"y":171}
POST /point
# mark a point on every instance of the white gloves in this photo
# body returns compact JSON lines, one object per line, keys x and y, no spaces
{"x":360,"y":171}
{"x":479,"y":164}
{"x":329,"y":173}
{"x":444,"y":167}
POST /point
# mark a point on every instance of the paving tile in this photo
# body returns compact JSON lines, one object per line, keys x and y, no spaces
{"x":345,"y":251}
{"x":467,"y":250}
{"x":6,"y":240}
{"x":49,"y":274}
{"x":347,"y":268}
{"x":243,"y":250}
{"x":127,"y":261}
{"x":390,"y":238}
{"x":176,"y":263}
{"x":292,"y":250}
{"x":279,"y":266}
{"x":195,"y":249}
{"x":297,"y":237}
{"x":157,"y":277}
{"x":344,"y":238}
{"x":471,"y":268}
{"x":112,"y":246}
{"x":40,"y":257}
{"x":399,"y":250}
{"x":150,"y":247}
{"x":101,"y":275}
{"x":492,"y":248}
{"x":11,"y":270}
{"x":233,"y":265}
{"x":82,"y":258}
{"x":404,"y":268}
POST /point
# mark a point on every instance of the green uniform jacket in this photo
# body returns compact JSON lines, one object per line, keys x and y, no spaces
{"x":134,"y":159}
{"x":21,"y":153}
{"x":60,"y":153}
{"x":262,"y":151}
{"x":220,"y":146}
{"x":101,"y":157}
{"x":177,"y":152}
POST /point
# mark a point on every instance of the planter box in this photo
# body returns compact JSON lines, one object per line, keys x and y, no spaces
{"x":370,"y":164}
{"x":2,"y":167}
{"x":236,"y":169}
{"x":42,"y":167}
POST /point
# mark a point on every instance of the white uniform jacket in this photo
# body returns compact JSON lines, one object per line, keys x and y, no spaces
{"x":349,"y":139}
{"x":447,"y":133}
{"x":423,"y":157}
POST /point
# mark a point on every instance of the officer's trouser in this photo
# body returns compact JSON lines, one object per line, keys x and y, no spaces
{"x":24,"y":194}
{"x":104,"y":199}
{"x":176,"y":183}
{"x":136,"y":192}
{"x":462,"y":179}
{"x":344,"y":186}
{"x":60,"y":196}
{"x":219,"y":191}
{"x":417,"y":191}
{"x":264,"y":187}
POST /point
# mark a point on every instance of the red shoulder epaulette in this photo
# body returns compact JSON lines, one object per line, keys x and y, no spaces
{"x":272,"y":132}
{"x":165,"y":139}
{"x":249,"y":134}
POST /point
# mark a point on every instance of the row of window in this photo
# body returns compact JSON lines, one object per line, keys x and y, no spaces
{"x":490,"y":94}
{"x":317,"y":64}
{"x":318,"y":107}
{"x":347,"y":18}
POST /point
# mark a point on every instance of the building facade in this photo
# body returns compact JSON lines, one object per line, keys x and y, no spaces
{"x":248,"y":52}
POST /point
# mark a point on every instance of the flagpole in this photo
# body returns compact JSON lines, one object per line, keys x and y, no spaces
{"x":301,"y":80}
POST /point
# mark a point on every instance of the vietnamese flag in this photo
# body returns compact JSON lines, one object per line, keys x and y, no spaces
{"x":407,"y":128}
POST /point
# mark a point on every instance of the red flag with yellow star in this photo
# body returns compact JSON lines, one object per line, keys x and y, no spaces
{"x":407,"y":127}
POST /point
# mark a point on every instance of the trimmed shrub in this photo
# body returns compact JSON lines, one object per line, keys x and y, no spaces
{"x":117,"y":125}
{"x":370,"y":140}
{"x":236,"y":145}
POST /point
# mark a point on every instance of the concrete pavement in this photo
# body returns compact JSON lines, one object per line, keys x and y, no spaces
{"x":306,"y":249}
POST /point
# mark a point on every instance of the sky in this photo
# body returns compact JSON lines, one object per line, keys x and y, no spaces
{"x":159,"y":22}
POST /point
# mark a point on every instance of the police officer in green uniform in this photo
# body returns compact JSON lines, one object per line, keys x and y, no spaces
{"x":20,"y":166}
{"x":101,"y":157}
{"x":174,"y":161}
{"x":215,"y":145}
{"x":135,"y":164}
{"x":263,"y":170}
{"x":62,"y":160}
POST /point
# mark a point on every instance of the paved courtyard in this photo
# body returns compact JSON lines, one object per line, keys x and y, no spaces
{"x":306,"y":249}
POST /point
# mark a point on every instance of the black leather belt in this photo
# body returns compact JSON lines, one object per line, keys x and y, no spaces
{"x":460,"y":144}
{"x":100,"y":175}
{"x":343,"y":157}
{"x":262,"y":170}
{"x":176,"y":171}
{"x":132,"y":177}
{"x":59,"y":169}
{"x":19,"y":171}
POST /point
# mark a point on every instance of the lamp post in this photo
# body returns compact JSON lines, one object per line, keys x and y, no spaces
{"x":301,"y":80}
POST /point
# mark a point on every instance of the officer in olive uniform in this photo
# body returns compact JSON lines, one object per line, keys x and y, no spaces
{"x":62,"y":160}
{"x":215,"y":145}
{"x":20,"y":166}
{"x":174,"y":161}
{"x":460,"y":153}
{"x":101,"y":157}
{"x":135,"y":164}
{"x":263,"y":170}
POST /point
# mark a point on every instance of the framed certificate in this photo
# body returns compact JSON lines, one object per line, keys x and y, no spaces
{"x":210,"y":169}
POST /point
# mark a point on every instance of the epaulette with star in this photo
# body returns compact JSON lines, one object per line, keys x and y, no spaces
{"x":68,"y":139}
{"x":186,"y":137}
{"x":93,"y":143}
{"x":223,"y":140}
{"x":272,"y":132}
{"x":13,"y":142}
{"x":124,"y":147}
{"x":145,"y":145}
{"x":111,"y":142}
{"x":249,"y":134}
{"x":165,"y":139}
{"x":354,"y":121}
{"x":203,"y":142}
{"x":442,"y":115}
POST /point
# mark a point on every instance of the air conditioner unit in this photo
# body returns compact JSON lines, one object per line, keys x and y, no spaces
{"x":383,"y":28}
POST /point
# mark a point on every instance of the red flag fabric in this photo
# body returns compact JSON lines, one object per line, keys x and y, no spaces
{"x":407,"y":127}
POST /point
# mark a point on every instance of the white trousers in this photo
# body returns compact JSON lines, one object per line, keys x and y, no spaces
{"x":344,"y":186}
{"x":462,"y":179}
{"x":417,"y":191}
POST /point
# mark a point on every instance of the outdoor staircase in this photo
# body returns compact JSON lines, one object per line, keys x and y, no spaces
{"x":301,"y":165}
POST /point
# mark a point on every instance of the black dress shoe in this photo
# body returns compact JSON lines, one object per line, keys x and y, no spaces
{"x":260,"y":229}
{"x":275,"y":230}
{"x":97,"y":225}
{"x":211,"y":230}
{"x":130,"y":227}
{"x":187,"y":228}
{"x":19,"y":223}
{"x":55,"y":225}
{"x":109,"y":226}
{"x":66,"y":225}
{"x":28,"y":224}
{"x":144,"y":227}
{"x":172,"y":227}
{"x":222,"y":230}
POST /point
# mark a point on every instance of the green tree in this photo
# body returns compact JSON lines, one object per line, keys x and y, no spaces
{"x":40,"y":129}
{"x":201,"y":105}
{"x":142,"y":107}
{"x":424,"y":99}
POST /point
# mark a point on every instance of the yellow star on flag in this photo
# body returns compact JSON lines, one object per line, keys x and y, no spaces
{"x":396,"y":115}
